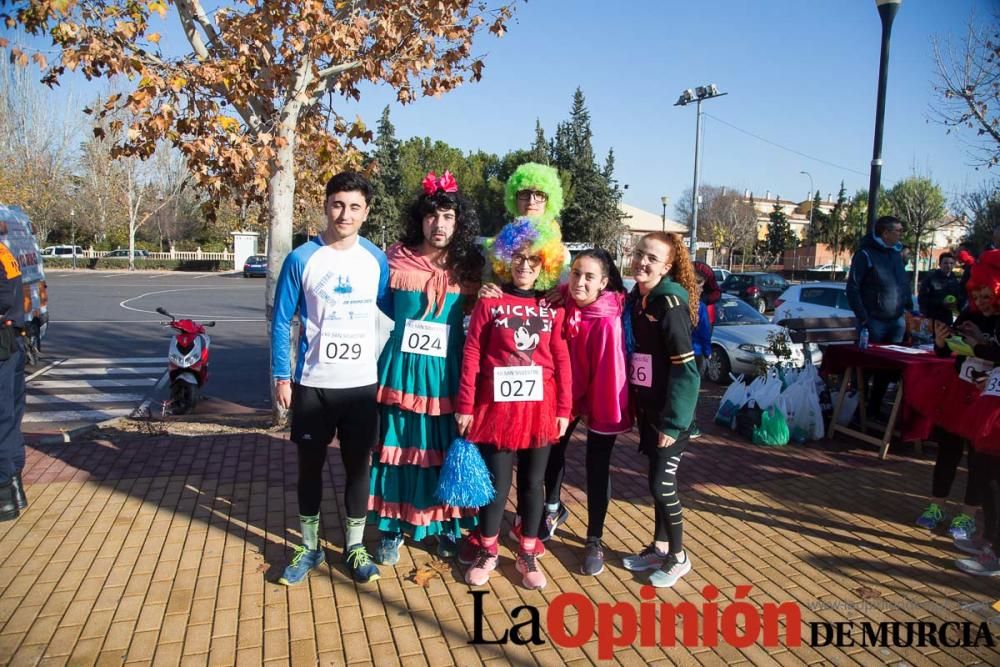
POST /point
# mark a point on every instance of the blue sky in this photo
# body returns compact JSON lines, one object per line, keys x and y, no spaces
{"x":798,"y":73}
{"x":802,"y":74}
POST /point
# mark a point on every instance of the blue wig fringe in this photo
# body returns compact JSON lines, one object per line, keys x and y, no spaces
{"x":464,"y":480}
{"x":627,"y":327}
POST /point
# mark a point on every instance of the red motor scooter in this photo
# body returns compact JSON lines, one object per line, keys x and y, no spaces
{"x":188,"y":361}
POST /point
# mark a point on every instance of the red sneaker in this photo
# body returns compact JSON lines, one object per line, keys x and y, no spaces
{"x":470,"y":548}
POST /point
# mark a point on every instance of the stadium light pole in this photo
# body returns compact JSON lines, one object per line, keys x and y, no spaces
{"x":697,"y":95}
{"x":887,"y":12}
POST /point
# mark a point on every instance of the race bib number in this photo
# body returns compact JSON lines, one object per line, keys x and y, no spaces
{"x":345,"y":346}
{"x":517,"y":383}
{"x":640,"y":369}
{"x":993,"y":384}
{"x":972,"y":367}
{"x":427,"y":338}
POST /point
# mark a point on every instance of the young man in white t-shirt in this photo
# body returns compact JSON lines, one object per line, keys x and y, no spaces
{"x":336,"y":283}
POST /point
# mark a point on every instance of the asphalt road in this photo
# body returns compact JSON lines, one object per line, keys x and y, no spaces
{"x":104,"y":332}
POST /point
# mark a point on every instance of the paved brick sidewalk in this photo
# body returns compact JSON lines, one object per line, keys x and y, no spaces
{"x":164,"y":549}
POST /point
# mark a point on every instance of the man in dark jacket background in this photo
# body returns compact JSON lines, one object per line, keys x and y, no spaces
{"x":941,"y":294}
{"x":878,"y":293}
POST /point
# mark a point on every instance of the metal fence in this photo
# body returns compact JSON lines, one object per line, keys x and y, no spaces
{"x":177,"y":254}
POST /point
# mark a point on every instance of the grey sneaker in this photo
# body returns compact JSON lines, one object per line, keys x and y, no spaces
{"x":972,"y":545}
{"x":985,"y":564}
{"x":647,"y":559}
{"x":670,"y":572}
{"x":593,"y":557}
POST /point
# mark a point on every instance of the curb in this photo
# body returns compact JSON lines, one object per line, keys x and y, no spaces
{"x":73,"y":433}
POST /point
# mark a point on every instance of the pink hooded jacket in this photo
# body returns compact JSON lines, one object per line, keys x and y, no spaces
{"x":597,"y":356}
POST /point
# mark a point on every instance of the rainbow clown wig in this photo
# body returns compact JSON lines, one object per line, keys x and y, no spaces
{"x":529,"y":236}
{"x":534,"y":176}
{"x":986,"y":274}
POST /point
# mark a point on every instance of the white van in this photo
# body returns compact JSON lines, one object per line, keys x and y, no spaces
{"x":18,"y":235}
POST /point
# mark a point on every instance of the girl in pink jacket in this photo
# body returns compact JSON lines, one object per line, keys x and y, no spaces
{"x":594,"y":300}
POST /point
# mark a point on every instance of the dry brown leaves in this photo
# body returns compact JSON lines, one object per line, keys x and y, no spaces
{"x":423,"y":573}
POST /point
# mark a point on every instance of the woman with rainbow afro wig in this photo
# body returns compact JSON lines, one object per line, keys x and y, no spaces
{"x":515,"y":393}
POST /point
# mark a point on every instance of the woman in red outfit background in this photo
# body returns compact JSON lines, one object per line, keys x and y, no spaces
{"x":515,"y":395}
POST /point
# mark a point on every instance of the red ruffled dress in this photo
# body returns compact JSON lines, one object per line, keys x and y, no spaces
{"x":512,"y":331}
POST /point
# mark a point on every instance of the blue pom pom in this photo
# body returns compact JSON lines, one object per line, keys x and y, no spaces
{"x":465,"y":481}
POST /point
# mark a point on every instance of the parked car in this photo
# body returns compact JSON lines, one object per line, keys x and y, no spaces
{"x":122,"y":253}
{"x":740,"y":342}
{"x":256,"y":265}
{"x":62,"y":251}
{"x":721,"y":274}
{"x":819,"y":299}
{"x":758,"y":289}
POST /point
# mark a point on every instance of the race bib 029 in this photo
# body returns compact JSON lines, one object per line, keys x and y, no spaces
{"x":427,"y":338}
{"x":640,"y":369}
{"x":345,"y":346}
{"x":517,"y":383}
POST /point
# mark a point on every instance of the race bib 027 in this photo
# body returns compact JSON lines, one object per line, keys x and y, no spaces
{"x":517,"y":383}
{"x":427,"y":338}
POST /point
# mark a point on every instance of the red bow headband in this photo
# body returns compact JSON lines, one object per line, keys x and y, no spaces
{"x":446,"y":183}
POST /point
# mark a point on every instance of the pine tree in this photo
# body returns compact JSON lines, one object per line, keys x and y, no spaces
{"x":591,"y":213}
{"x":540,"y":148}
{"x":383,"y":224}
{"x":779,"y":234}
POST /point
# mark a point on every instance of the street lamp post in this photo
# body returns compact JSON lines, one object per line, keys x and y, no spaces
{"x":664,"y":200}
{"x":697,"y":95}
{"x":811,"y":191}
{"x":887,"y":12}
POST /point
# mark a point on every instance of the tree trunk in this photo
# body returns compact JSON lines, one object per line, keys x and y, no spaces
{"x":280,"y":208}
{"x":131,"y":245}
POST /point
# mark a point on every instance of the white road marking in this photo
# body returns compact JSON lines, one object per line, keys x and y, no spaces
{"x":76,"y":415}
{"x":108,"y":370}
{"x":168,"y":291}
{"x":85,"y":361}
{"x":95,"y":384}
{"x":89,"y":397}
{"x":43,"y":370}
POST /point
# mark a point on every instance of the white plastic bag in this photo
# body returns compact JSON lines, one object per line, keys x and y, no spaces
{"x":764,"y":390}
{"x":734,"y":399}
{"x":850,"y":406}
{"x":800,"y":403}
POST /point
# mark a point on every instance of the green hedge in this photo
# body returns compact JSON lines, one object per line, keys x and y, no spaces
{"x":104,"y":264}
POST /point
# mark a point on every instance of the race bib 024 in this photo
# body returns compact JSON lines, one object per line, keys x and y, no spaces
{"x":427,"y":338}
{"x":517,"y":383}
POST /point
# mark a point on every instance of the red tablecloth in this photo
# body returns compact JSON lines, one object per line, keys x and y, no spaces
{"x":925,"y":378}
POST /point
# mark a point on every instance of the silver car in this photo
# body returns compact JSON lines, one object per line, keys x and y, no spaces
{"x":740,"y":342}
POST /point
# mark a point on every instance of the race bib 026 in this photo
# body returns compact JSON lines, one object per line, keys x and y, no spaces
{"x":345,"y":346}
{"x":517,"y":383}
{"x":640,"y":369}
{"x":427,"y":338}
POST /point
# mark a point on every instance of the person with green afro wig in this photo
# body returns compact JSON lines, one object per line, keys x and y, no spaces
{"x":535,"y":191}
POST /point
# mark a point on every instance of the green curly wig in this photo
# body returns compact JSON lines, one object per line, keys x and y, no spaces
{"x":534,"y":176}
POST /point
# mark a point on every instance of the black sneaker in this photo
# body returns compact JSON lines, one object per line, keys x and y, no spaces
{"x":550,"y":522}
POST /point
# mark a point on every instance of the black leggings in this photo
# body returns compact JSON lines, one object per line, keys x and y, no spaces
{"x":988,"y":483}
{"x":530,"y":475}
{"x":357,"y":469}
{"x":662,"y":477}
{"x":949,"y":455}
{"x":598,"y":464}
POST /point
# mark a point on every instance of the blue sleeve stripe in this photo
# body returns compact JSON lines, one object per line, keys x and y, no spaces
{"x":384,"y":298}
{"x":288,"y":298}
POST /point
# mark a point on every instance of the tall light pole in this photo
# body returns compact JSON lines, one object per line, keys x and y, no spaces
{"x":887,"y":12}
{"x":664,"y":200}
{"x":697,"y":95}
{"x":811,"y":191}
